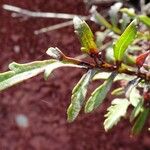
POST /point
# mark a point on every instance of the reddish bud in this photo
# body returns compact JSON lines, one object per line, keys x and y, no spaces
{"x":141,"y":58}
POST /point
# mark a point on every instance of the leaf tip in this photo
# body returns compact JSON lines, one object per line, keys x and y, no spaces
{"x":54,"y":53}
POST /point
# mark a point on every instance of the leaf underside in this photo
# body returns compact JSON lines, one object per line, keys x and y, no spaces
{"x":78,"y":95}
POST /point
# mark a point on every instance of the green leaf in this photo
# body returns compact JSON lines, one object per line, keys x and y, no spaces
{"x":139,"y":124}
{"x":105,"y":75}
{"x":145,"y":19}
{"x":98,"y":18}
{"x":78,"y":95}
{"x":21,"y":72}
{"x":85,"y":35}
{"x":118,"y":91}
{"x":99,"y":94}
{"x":130,"y":12}
{"x":124,"y":41}
{"x":137,"y":109}
{"x":58,"y":64}
{"x":142,"y":18}
{"x":117,"y":110}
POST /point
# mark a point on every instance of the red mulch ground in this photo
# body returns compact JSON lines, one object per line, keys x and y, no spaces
{"x":45,"y":103}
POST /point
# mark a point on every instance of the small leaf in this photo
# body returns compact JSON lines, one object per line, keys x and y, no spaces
{"x":130,"y":12}
{"x":124,"y":41}
{"x":78,"y":95}
{"x":105,"y":75}
{"x":55,"y":53}
{"x":137,"y":109}
{"x":141,"y":58}
{"x":99,"y":94}
{"x":118,"y":91}
{"x":115,"y":112}
{"x":145,"y":19}
{"x":85,"y":35}
{"x":98,"y":18}
{"x":139,"y":124}
{"x":134,"y":97}
{"x":113,"y":13}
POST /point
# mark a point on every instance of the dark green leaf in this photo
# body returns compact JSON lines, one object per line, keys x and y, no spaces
{"x":99,"y":94}
{"x":78,"y":95}
{"x":124,"y":41}
{"x":85,"y":35}
{"x":139,"y":124}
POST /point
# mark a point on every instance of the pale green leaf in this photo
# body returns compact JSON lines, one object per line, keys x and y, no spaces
{"x":117,"y":110}
{"x":145,"y":19}
{"x":134,"y":97}
{"x":55,"y":53}
{"x":105,"y":75}
{"x":139,"y":124}
{"x":113,"y":13}
{"x":78,"y":95}
{"x":98,"y":18}
{"x":21,"y":72}
{"x":85,"y":35}
{"x":58,"y":64}
{"x":124,"y":21}
{"x":118,"y":91}
{"x":130,"y":12}
{"x":99,"y":94}
{"x":124,"y":41}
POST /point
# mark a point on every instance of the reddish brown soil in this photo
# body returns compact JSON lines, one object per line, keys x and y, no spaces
{"x":45,"y":103}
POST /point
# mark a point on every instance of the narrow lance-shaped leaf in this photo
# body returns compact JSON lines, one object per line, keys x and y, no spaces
{"x":124,"y":41}
{"x":85,"y":36}
{"x":139,"y":124}
{"x":137,"y":109}
{"x":118,"y":91}
{"x":99,"y":94}
{"x":145,"y":19}
{"x":78,"y":95}
{"x":117,"y":110}
{"x":142,"y":18}
{"x":98,"y":18}
{"x":21,"y":72}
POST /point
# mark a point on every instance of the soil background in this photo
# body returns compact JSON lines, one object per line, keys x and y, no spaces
{"x":44,"y":103}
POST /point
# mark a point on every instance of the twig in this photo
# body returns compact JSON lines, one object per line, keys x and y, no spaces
{"x":38,"y":14}
{"x":57,"y":26}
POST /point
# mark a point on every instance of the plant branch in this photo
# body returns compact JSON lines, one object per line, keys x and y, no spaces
{"x":30,"y":13}
{"x":105,"y":67}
